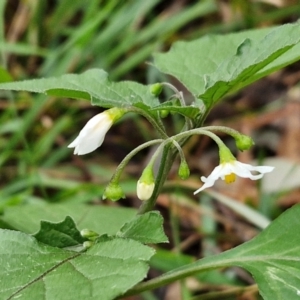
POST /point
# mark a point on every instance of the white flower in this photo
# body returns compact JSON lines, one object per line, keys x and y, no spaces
{"x":92,"y":134}
{"x":144,"y":190}
{"x":228,"y":171}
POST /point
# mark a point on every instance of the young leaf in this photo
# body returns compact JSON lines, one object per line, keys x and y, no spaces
{"x":146,"y":228}
{"x":92,"y":85}
{"x":272,"y":257}
{"x":30,"y":270}
{"x":61,"y":235}
{"x":215,"y":65}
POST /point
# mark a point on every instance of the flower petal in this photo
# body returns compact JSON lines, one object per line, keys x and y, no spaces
{"x":244,"y":170}
{"x":233,"y":167}
{"x":144,"y":190}
{"x":206,"y":185}
{"x":92,"y":134}
{"x":210,"y":180}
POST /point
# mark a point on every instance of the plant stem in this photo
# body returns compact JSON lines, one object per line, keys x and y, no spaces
{"x":168,"y":156}
{"x":127,"y":158}
{"x":188,"y":133}
{"x":167,"y":278}
{"x":222,"y":260}
{"x":224,"y":129}
{"x":158,"y":125}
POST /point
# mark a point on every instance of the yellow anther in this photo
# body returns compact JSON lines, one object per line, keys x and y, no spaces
{"x":230,"y":178}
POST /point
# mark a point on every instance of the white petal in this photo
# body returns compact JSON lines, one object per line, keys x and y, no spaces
{"x":236,"y":167}
{"x":210,"y":180}
{"x":261,"y":169}
{"x":216,"y":173}
{"x":144,"y":191}
{"x":206,"y":185}
{"x":92,"y":134}
{"x":244,"y":170}
{"x":74,"y":143}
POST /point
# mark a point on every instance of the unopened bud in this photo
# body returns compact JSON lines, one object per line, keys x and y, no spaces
{"x":87,"y":244}
{"x":243,"y":142}
{"x":146,"y":184}
{"x":156,"y":89}
{"x":89,"y":234}
{"x":144,"y":190}
{"x":113,"y":192}
{"x":184,"y":171}
{"x":163,"y":113}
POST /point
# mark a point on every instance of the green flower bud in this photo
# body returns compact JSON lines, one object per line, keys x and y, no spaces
{"x":243,"y":142}
{"x":89,"y":234}
{"x":87,"y":244}
{"x":156,"y":89}
{"x":184,"y":171}
{"x":163,"y":113}
{"x":146,"y":184}
{"x":113,"y":192}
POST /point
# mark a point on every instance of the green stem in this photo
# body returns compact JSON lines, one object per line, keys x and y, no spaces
{"x":127,"y":158}
{"x":180,"y":151}
{"x":168,"y":156}
{"x":224,"y":129}
{"x":158,"y":125}
{"x":222,"y":260}
{"x":179,"y":95}
{"x":188,"y":133}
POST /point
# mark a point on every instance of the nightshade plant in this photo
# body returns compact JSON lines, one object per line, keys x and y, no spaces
{"x":108,"y":261}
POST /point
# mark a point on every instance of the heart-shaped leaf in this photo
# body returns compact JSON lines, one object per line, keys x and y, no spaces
{"x":30,"y":270}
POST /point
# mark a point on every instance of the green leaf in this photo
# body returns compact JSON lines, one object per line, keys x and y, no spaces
{"x":165,"y":260}
{"x":99,"y":218}
{"x":272,"y":257}
{"x":61,"y":235}
{"x":30,"y":270}
{"x":215,"y":65}
{"x":146,"y":228}
{"x":92,"y":85}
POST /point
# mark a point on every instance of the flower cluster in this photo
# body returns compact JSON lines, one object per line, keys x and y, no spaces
{"x":93,"y":133}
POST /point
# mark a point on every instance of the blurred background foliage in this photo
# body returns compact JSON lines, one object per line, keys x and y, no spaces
{"x":48,"y":38}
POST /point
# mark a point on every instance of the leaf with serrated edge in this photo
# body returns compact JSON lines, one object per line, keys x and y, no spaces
{"x":30,"y":270}
{"x":91,"y":85}
{"x":146,"y":228}
{"x":61,"y":235}
{"x":215,"y":65}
